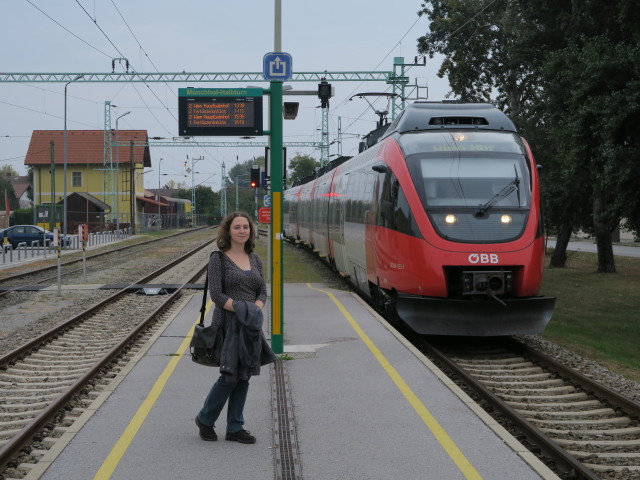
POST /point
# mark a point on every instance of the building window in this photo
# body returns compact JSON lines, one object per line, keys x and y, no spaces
{"x":76,"y":179}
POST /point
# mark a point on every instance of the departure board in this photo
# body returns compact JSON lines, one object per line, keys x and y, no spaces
{"x":220,"y":111}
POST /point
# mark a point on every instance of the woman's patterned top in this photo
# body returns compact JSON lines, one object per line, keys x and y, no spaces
{"x":238,"y":284}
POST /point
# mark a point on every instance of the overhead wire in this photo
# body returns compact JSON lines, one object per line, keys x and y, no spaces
{"x":67,"y":30}
{"x":152,"y":63}
{"x":396,"y":44}
{"x":95,"y":22}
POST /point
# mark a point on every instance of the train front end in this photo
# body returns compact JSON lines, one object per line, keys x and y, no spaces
{"x":473,"y":188}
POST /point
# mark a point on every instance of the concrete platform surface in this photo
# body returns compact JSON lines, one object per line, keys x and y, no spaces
{"x":366,"y":405}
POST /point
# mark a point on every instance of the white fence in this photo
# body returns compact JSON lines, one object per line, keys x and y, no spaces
{"x":27,"y":252}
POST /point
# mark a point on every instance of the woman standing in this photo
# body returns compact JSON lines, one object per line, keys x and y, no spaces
{"x":243,"y":288}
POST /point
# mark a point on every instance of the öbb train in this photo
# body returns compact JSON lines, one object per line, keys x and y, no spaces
{"x":437,"y":221}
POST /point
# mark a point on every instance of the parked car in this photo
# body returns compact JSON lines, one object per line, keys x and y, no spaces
{"x":29,"y":233}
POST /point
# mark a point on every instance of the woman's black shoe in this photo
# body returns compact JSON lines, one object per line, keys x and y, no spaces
{"x":241,"y":436}
{"x":206,"y":433}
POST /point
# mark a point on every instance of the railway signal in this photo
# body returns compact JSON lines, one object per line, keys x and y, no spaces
{"x":255,"y":177}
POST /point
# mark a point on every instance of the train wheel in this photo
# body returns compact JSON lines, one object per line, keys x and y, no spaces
{"x":391,"y":314}
{"x":377,"y":298}
{"x":384,"y":304}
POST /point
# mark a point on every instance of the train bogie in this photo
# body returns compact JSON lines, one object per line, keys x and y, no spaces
{"x":438,"y":223}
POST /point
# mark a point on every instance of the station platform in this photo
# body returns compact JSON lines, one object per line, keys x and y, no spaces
{"x":361,"y":403}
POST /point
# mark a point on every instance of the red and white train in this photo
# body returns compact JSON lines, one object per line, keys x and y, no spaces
{"x":438,"y":222}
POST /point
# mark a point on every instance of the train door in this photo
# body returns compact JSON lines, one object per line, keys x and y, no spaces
{"x":355,"y":215}
{"x":373,"y":194}
{"x":336,"y":223}
{"x":320,"y":221}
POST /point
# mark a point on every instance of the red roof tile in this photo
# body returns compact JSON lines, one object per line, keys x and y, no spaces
{"x":85,"y":147}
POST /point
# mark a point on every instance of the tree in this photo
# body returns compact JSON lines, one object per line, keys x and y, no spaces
{"x":7,"y":171}
{"x":486,"y":54}
{"x":591,"y":92}
{"x":567,"y":73}
{"x":301,"y":166}
{"x":595,"y":82}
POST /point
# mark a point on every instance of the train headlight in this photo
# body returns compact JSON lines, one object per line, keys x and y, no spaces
{"x":506,"y":219}
{"x":459,"y":137}
{"x":450,"y":219}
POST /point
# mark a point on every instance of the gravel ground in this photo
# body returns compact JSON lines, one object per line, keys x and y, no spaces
{"x":587,"y":367}
{"x":25,"y":315}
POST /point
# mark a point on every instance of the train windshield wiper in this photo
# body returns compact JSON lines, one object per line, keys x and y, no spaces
{"x":505,"y":192}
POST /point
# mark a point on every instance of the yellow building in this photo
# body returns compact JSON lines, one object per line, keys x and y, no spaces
{"x":109,"y":188}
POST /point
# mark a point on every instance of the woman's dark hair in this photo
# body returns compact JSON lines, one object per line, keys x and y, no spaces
{"x":224,"y":236}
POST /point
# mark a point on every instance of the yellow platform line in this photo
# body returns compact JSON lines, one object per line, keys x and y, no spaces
{"x":120,"y":448}
{"x":436,"y":429}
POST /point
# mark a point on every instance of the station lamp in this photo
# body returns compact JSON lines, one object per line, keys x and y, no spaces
{"x":290,"y":110}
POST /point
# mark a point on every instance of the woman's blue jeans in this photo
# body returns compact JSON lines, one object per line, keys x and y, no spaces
{"x":236,"y":393}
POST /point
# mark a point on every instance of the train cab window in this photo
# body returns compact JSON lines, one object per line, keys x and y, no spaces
{"x":394,"y":212}
{"x":467,"y":181}
{"x":474,"y":186}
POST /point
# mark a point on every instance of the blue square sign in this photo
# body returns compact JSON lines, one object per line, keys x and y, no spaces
{"x":277,"y":66}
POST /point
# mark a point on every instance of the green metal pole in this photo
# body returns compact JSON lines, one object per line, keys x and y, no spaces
{"x":276,"y":169}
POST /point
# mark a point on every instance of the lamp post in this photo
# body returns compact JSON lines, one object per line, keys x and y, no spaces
{"x":118,"y":174}
{"x":64,"y":200}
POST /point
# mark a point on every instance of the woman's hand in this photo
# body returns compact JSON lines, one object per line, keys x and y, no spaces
{"x":229,"y":305}
{"x":260,"y":304}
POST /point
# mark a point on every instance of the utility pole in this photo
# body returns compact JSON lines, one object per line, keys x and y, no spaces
{"x":193,"y":188}
{"x":223,"y":193}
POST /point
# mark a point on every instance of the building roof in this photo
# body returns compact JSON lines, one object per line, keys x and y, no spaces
{"x":20,"y":185}
{"x":151,"y":201}
{"x":85,"y":147}
{"x":100,"y":205}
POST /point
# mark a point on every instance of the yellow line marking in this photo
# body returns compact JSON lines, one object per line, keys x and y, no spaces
{"x":117,"y":452}
{"x":438,"y":432}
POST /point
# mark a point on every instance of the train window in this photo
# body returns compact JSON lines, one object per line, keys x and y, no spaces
{"x":394,"y":212}
{"x":469,"y":181}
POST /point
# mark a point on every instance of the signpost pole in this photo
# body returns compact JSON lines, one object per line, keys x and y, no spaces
{"x":275,"y":127}
{"x":276,"y":167}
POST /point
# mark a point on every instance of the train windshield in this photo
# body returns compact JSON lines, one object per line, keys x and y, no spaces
{"x":474,"y":185}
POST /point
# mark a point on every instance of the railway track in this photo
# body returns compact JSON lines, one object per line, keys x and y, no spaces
{"x":47,"y":273}
{"x":44,"y":383}
{"x":586,"y":429}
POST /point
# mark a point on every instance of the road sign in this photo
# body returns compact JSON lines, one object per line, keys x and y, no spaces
{"x":267,"y":200}
{"x":277,"y":66}
{"x":264,"y":215}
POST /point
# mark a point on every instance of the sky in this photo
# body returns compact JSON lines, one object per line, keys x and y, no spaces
{"x":84,"y":36}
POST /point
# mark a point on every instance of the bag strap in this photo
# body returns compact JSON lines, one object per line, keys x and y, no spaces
{"x":206,"y":285}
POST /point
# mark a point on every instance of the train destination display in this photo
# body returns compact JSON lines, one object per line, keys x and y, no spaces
{"x":220,"y":111}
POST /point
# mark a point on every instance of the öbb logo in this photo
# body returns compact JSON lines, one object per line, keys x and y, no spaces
{"x":483,"y":258}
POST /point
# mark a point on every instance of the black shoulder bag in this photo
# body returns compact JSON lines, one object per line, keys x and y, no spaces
{"x":206,"y":342}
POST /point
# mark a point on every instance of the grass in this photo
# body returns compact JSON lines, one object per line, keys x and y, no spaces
{"x":597,"y":315}
{"x":299,"y":266}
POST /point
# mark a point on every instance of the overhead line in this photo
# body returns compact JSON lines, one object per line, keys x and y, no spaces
{"x":67,"y":30}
